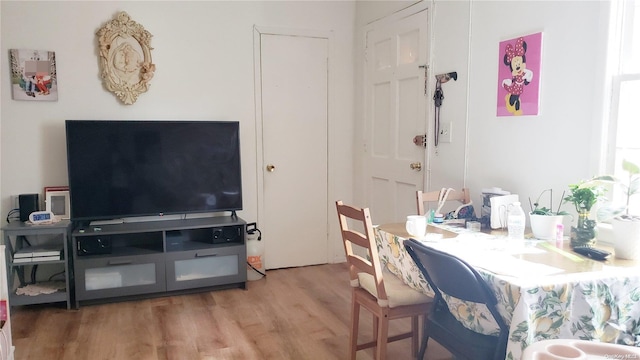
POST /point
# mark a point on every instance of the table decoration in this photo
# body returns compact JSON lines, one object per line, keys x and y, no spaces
{"x":626,"y":226}
{"x":584,"y":196}
{"x":544,"y":221}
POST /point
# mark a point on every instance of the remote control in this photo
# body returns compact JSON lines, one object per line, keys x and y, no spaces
{"x":593,"y":253}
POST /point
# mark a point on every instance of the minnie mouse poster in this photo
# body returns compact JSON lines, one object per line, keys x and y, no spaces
{"x":518,"y":84}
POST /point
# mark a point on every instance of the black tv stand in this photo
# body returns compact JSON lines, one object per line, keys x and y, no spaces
{"x":234,"y":215}
{"x":116,"y":262}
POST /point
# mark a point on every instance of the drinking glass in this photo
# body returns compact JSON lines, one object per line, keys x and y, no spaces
{"x":416,"y":225}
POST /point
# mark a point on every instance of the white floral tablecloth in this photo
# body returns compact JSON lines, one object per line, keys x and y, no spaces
{"x":537,"y":301}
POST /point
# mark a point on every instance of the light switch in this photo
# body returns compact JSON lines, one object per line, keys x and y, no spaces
{"x":446,"y":129}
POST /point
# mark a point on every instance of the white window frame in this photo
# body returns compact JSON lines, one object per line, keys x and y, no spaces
{"x":621,"y":26}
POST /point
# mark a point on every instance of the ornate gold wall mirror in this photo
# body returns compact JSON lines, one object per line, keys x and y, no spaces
{"x":125,"y":58}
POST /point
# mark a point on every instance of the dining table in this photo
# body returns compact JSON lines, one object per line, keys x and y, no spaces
{"x":544,"y":289}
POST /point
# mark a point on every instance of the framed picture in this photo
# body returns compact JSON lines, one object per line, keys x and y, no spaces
{"x":33,"y":75}
{"x":125,"y":58}
{"x":57,"y":201}
{"x":519,"y":64}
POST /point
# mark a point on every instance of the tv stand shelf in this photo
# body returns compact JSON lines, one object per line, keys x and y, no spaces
{"x":142,"y":259}
{"x":21,"y":237}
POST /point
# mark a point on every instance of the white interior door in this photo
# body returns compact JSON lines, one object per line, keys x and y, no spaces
{"x":293,"y":75}
{"x":396,"y":111}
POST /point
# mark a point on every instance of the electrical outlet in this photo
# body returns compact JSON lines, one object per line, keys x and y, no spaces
{"x":446,"y":129}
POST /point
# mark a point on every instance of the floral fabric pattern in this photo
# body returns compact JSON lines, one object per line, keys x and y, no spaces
{"x":395,"y":258}
{"x":600,"y":306}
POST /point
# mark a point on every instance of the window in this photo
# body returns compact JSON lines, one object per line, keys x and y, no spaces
{"x":625,"y":90}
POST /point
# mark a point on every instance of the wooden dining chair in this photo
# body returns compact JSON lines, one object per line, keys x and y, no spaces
{"x":380,"y":292}
{"x":461,"y":195}
{"x":447,"y":274}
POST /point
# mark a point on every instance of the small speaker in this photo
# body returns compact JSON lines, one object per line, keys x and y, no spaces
{"x":27,"y":203}
{"x":94,"y":245}
{"x":228,"y":234}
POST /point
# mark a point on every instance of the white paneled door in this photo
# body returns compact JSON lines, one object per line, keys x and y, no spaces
{"x":292,"y":98}
{"x":396,"y":111}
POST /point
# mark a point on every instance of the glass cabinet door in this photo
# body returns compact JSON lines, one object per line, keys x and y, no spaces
{"x":206,"y":267}
{"x":104,"y":277}
{"x":119,"y":276}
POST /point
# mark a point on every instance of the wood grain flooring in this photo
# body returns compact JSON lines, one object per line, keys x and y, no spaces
{"x":296,"y":313}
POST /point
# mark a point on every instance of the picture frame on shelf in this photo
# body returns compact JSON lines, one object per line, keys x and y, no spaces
{"x":58,"y":202}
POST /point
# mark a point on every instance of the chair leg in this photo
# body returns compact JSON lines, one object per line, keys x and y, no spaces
{"x":383,"y":337}
{"x":425,"y":338}
{"x":355,"y":322}
{"x":415,"y":335}
{"x":375,"y":325}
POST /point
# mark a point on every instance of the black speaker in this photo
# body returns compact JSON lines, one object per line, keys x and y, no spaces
{"x":228,"y":234}
{"x":27,"y":203}
{"x":94,"y":245}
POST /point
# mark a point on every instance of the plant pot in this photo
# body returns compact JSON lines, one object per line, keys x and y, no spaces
{"x":584,"y":234}
{"x":544,"y":226}
{"x":626,"y":239}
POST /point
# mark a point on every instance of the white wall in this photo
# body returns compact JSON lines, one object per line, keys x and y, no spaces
{"x":560,"y":146}
{"x":526,"y":154}
{"x":450,"y":52}
{"x":370,"y":11}
{"x":203,"y":51}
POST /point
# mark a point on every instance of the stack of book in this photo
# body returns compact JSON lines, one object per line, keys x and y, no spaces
{"x":37,"y":253}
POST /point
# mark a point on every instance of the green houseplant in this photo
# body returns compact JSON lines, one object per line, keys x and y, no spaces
{"x":629,"y":187}
{"x":625,"y":226}
{"x":544,"y":221}
{"x":584,"y":196}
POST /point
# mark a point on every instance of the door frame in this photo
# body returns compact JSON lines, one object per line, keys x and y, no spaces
{"x":334,"y":253}
{"x":378,"y":23}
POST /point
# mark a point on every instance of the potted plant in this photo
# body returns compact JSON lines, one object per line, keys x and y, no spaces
{"x":544,"y":221}
{"x":584,"y":196}
{"x":625,"y":226}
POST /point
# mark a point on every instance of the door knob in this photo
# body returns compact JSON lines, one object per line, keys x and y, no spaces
{"x":416,"y":166}
{"x":271,"y":168}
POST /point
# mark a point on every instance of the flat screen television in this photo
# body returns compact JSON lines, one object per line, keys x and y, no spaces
{"x":121,"y":169}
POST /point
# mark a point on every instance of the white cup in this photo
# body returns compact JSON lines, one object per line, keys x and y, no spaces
{"x":416,"y":225}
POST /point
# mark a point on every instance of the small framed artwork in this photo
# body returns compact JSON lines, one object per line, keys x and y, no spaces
{"x":519,"y":64}
{"x":57,"y":201}
{"x":33,"y":75}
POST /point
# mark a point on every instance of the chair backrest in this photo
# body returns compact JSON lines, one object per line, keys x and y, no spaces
{"x":461,"y":195}
{"x":364,"y":238}
{"x":451,"y":275}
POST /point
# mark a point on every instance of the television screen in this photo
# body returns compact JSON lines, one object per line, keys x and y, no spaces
{"x":120,"y":169}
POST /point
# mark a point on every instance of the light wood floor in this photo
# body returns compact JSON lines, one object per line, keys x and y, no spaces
{"x":297,"y":313}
